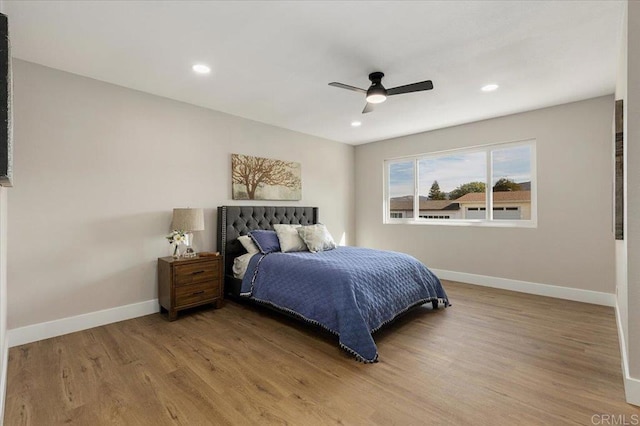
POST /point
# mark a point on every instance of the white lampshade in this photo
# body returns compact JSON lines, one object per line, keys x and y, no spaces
{"x":188,"y":220}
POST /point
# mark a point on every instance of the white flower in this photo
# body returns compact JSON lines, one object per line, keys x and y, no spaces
{"x":176,"y":237}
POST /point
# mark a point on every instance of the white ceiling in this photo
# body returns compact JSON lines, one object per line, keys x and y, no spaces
{"x":271,"y":60}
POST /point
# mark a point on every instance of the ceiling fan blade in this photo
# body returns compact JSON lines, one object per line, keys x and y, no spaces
{"x":414,"y":87}
{"x":368,"y":108}
{"x":346,"y":86}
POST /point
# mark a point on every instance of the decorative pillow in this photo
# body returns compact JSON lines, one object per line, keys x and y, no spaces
{"x":289,"y":238}
{"x":266,"y":241}
{"x":248,"y":244}
{"x":316,"y":237}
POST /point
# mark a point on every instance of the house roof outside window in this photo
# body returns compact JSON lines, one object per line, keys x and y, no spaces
{"x":406,"y":202}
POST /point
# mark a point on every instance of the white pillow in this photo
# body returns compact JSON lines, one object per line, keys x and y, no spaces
{"x":248,"y":244}
{"x":289,"y":238}
{"x":317,"y":237}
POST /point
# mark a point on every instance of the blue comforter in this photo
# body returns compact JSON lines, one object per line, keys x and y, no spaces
{"x":349,"y":291}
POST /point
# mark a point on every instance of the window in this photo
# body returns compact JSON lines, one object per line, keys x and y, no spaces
{"x":487,"y":185}
{"x":400,"y":188}
{"x":511,"y":182}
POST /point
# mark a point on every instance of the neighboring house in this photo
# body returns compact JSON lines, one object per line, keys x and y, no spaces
{"x":525,"y":186}
{"x":512,"y":205}
{"x":402,"y":207}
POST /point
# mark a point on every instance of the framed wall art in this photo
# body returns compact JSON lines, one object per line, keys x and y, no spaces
{"x":259,"y":178}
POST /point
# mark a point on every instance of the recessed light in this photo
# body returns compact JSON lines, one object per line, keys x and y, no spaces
{"x":489,"y":87}
{"x":356,"y":123}
{"x":201,"y":69}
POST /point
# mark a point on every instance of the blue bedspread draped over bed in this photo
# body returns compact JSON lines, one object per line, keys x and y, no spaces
{"x":349,"y":291}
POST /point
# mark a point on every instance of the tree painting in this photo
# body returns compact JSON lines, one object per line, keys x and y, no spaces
{"x":258,"y":178}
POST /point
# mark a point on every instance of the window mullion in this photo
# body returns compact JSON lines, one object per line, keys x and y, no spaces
{"x":386,"y":191}
{"x":416,"y":190}
{"x":489,"y":187}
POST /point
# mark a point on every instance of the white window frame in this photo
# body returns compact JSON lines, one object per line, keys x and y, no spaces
{"x":489,"y":221}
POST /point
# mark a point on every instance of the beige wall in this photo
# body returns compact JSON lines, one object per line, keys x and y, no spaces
{"x":628,"y":250}
{"x":100,"y":169}
{"x":3,"y":297}
{"x":3,"y":287}
{"x":621,"y":245}
{"x":632,"y":121}
{"x":572,"y":246}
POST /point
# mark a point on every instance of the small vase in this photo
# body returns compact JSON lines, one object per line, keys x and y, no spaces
{"x":176,"y":251}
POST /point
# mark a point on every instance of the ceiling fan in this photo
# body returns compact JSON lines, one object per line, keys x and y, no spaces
{"x":376,"y":93}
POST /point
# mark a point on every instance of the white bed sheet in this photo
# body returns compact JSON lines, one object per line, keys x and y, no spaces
{"x":240,"y":265}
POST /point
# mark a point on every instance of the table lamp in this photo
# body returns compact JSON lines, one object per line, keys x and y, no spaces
{"x":188,"y":220}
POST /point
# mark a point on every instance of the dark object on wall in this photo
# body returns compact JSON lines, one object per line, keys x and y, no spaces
{"x":6,"y":128}
{"x":619,"y":182}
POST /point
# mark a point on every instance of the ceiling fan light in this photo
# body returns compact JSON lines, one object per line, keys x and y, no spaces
{"x":376,"y":98}
{"x":376,"y":94}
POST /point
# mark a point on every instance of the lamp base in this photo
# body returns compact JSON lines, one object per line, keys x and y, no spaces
{"x":189,"y":253}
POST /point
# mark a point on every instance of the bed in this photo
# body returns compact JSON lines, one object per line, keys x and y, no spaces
{"x":351,"y":292}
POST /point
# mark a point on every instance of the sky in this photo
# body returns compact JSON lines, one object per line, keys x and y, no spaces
{"x":453,"y":170}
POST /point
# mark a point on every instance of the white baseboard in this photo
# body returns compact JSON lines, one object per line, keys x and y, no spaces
{"x":631,"y":385}
{"x":45,"y":330}
{"x":567,"y":293}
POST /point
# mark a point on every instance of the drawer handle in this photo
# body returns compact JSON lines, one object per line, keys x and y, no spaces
{"x":197,"y":292}
{"x":197,"y":272}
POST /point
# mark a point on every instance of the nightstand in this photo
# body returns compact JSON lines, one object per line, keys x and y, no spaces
{"x":185,"y":283}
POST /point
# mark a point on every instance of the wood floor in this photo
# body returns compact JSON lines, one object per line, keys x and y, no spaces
{"x":494,"y":357}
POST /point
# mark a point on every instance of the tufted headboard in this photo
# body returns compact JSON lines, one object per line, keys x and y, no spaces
{"x":234,"y":221}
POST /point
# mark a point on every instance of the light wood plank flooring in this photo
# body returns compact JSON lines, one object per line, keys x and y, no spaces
{"x":495,"y":357}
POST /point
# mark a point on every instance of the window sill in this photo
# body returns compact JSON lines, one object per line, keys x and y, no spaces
{"x":459,"y":222}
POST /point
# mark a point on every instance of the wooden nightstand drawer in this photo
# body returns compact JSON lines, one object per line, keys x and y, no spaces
{"x":194,"y":293}
{"x":195,"y":272}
